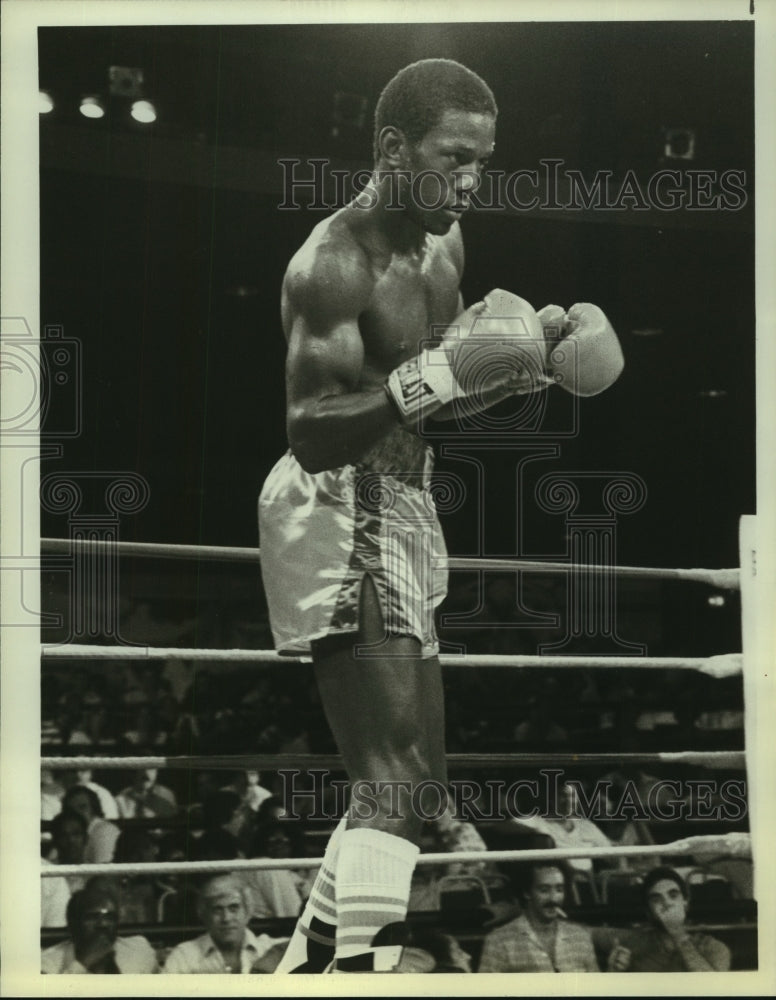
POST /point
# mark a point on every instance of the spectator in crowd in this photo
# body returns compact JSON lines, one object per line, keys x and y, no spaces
{"x":565,"y":825}
{"x":667,"y":945}
{"x":107,"y":802}
{"x":270,"y":811}
{"x":539,"y":729}
{"x":222,"y":817}
{"x":431,"y":950}
{"x":541,"y":939}
{"x":145,"y":797}
{"x":274,"y":892}
{"x":255,"y":793}
{"x":68,"y":832}
{"x":144,"y":733}
{"x":228,"y":945}
{"x":138,"y":894}
{"x":51,"y":792}
{"x":101,"y":833}
{"x":94,"y":945}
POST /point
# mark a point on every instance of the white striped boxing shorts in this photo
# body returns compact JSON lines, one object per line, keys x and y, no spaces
{"x":321,"y":534}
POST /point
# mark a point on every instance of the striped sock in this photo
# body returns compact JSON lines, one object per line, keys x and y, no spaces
{"x":374,"y":871}
{"x":311,"y":947}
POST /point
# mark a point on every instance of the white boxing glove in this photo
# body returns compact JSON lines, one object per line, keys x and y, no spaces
{"x":493,"y":350}
{"x":588,"y":358}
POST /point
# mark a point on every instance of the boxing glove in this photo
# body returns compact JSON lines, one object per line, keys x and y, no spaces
{"x":588,"y":358}
{"x":493,"y":350}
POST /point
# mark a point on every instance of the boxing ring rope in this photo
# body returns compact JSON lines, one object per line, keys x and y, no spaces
{"x":725,"y":759}
{"x":726,"y":578}
{"x":734,"y":844}
{"x":723,"y":665}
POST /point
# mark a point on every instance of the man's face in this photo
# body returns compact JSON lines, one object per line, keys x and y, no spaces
{"x":545,"y":896}
{"x":145,"y":779}
{"x":666,"y":902}
{"x":71,"y":842}
{"x":81,"y":804}
{"x":98,"y":924}
{"x":445,"y":166}
{"x":224,"y":913}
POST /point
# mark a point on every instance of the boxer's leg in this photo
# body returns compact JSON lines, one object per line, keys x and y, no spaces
{"x":387,"y":715}
{"x":311,"y":947}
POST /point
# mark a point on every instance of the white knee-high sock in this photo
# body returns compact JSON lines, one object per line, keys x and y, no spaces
{"x":374,"y":870}
{"x":311,"y":947}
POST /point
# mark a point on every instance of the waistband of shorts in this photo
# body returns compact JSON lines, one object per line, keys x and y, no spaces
{"x":419,"y":481}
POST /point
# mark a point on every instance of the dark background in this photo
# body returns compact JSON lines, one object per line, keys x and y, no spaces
{"x":163,"y":250}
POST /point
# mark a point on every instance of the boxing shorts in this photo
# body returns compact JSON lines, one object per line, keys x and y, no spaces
{"x":321,"y":534}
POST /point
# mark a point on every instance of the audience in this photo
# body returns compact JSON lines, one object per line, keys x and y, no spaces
{"x":667,"y":945}
{"x":431,"y":950}
{"x":94,"y":945}
{"x":228,"y":944}
{"x":101,"y":834}
{"x":68,"y":832}
{"x":541,"y":939}
{"x":138,"y":894}
{"x":107,"y":802}
{"x":240,"y":818}
{"x":275,"y":892}
{"x":145,"y":797}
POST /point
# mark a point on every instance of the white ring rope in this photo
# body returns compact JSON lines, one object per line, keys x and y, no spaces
{"x":725,"y":578}
{"x":731,"y":844}
{"x":724,"y":665}
{"x":720,"y":759}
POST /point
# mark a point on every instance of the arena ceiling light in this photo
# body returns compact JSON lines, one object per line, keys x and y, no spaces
{"x":143,"y":111}
{"x":92,"y":107}
{"x":45,"y":102}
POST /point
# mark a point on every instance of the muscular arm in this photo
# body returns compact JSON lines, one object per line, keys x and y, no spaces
{"x":334,"y":416}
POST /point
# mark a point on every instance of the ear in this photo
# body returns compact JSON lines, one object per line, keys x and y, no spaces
{"x":392,"y":145}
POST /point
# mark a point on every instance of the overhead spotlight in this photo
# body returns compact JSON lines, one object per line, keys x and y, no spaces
{"x":143,"y":111}
{"x":716,"y":600}
{"x":45,"y":102}
{"x":679,"y":143}
{"x":92,"y":107}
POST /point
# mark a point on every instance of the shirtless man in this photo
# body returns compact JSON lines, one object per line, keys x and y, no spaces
{"x":352,"y":553}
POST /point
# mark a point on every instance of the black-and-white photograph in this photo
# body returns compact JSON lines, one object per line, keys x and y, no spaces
{"x":383,"y":438}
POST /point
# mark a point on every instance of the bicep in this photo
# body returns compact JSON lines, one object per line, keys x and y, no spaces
{"x":325,"y":357}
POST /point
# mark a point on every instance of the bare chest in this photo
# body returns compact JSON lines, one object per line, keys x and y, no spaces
{"x":411,"y":298}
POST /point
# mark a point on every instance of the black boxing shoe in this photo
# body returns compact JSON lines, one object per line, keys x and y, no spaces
{"x":383,"y":954}
{"x":320,"y":953}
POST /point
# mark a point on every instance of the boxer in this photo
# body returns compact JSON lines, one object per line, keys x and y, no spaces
{"x":352,"y":552}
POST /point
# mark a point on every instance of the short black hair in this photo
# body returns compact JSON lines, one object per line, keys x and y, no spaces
{"x":98,"y":889}
{"x":94,"y":799}
{"x":219,"y":807}
{"x":417,"y":96}
{"x":67,"y":816}
{"x":524,"y":877}
{"x":658,"y":875}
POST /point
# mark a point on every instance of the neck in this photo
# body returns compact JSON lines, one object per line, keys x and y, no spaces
{"x":380,"y":201}
{"x":542,"y":926}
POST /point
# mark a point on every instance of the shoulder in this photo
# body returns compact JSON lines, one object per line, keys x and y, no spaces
{"x":332,"y":267}
{"x":507,"y":931}
{"x":138,"y":953}
{"x":577,"y":931}
{"x":185,"y":955}
{"x":713,"y":950}
{"x":261,"y":943}
{"x":55,"y":958}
